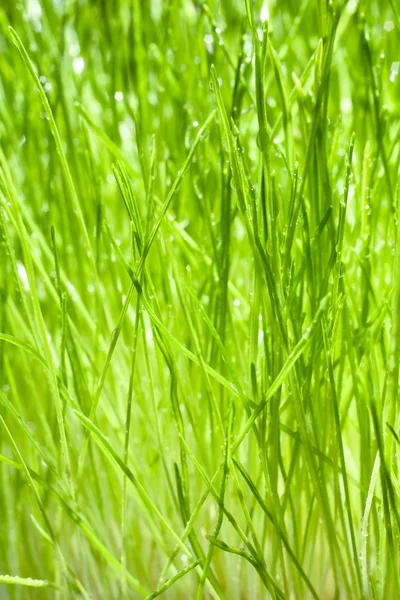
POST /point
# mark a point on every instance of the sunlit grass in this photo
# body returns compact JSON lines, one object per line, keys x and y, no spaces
{"x":199,"y":299}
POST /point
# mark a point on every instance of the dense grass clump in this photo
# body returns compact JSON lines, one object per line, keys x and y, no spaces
{"x":199,"y":299}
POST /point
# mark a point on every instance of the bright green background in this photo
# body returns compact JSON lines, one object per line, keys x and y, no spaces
{"x":200,"y":299}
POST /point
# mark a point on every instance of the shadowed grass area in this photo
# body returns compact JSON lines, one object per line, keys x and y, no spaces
{"x":199,"y":299}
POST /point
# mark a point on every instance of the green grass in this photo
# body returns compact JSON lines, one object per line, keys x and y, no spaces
{"x":199,"y":299}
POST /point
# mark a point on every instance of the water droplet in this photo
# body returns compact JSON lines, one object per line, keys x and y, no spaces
{"x":78,"y":65}
{"x":394,"y":71}
{"x":209,"y":42}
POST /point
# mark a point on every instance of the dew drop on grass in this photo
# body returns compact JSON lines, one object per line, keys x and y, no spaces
{"x":78,"y":65}
{"x":394,"y":71}
{"x":209,"y":42}
{"x":388,"y":26}
{"x":225,"y":142}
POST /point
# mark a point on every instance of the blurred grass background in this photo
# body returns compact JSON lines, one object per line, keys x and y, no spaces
{"x":183,"y":304}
